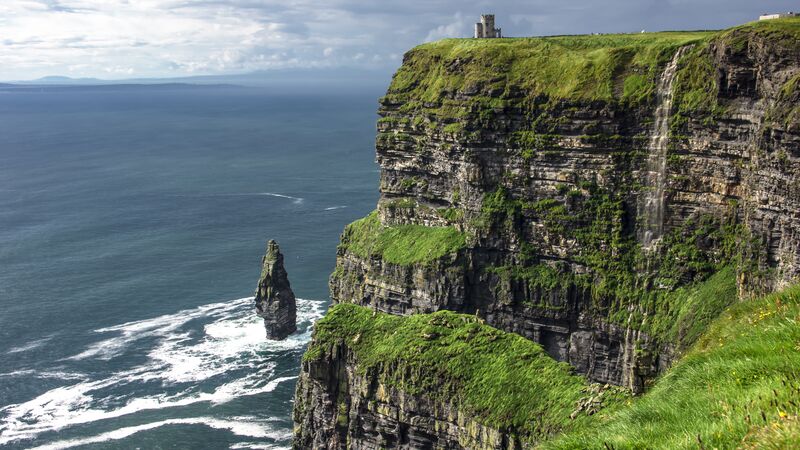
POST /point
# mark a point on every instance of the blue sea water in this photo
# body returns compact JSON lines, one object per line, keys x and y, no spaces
{"x":132,"y":223}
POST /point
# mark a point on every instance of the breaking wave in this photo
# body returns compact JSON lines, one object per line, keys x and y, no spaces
{"x":212,"y":353}
{"x":295,"y":200}
{"x":240,"y":426}
{"x":30,"y":345}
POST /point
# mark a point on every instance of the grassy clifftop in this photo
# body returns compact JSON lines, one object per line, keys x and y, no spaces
{"x":580,"y":67}
{"x":622,"y":67}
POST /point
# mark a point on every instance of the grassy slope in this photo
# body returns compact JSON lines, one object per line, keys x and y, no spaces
{"x":403,"y":244}
{"x":739,"y":386}
{"x":687,"y":312}
{"x":492,"y":374}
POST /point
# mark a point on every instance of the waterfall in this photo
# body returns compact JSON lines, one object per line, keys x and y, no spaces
{"x":651,"y":202}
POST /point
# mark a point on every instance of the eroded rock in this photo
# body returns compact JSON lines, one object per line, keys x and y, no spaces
{"x":275,"y":301}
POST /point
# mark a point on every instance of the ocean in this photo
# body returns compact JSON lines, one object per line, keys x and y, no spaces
{"x":132,"y":224}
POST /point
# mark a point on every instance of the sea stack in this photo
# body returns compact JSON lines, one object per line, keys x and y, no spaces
{"x":275,"y":300}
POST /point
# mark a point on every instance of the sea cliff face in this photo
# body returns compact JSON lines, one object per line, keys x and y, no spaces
{"x":577,"y":192}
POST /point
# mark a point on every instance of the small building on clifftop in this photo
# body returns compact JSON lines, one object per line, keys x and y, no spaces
{"x":485,"y":28}
{"x":777,"y":16}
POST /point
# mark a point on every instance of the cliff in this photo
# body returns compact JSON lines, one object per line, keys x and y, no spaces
{"x":275,"y":301}
{"x":444,"y":380}
{"x":606,"y":197}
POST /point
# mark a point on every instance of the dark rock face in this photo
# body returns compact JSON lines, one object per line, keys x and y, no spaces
{"x":740,"y":164}
{"x":339,"y":406}
{"x":275,"y":301}
{"x":562,"y":321}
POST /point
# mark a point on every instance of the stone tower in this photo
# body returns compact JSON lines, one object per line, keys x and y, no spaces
{"x":485,"y":28}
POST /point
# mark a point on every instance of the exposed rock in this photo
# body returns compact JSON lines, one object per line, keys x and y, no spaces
{"x":547,"y":191}
{"x":275,"y":301}
{"x":339,"y":406}
{"x":738,"y":167}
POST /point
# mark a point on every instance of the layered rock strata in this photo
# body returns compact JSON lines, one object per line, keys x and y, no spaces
{"x":546,"y":182}
{"x":275,"y":301}
{"x":353,"y":409}
{"x":564,"y":199}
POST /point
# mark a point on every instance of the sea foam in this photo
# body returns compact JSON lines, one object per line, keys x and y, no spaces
{"x":231,"y":354}
{"x":240,"y":426}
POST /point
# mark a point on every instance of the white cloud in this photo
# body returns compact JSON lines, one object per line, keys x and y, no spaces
{"x":457,"y":28}
{"x":120,"y":38}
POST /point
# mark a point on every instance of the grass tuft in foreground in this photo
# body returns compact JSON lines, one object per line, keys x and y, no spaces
{"x":739,"y":386}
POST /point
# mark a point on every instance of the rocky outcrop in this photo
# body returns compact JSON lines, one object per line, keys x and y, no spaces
{"x":548,"y":189}
{"x":372,"y":380}
{"x":349,"y":408}
{"x":275,"y":301}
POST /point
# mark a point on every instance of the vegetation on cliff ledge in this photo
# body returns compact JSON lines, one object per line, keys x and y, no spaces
{"x":504,"y":380}
{"x":738,"y":387}
{"x":689,"y":280}
{"x":400,"y":244}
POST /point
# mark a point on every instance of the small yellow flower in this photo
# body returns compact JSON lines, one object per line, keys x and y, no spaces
{"x":782,"y":414}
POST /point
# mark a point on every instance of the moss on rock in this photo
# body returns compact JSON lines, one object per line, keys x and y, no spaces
{"x":401,"y":244}
{"x":506,"y":381}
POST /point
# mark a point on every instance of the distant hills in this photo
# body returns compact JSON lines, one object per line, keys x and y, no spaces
{"x":292,"y":78}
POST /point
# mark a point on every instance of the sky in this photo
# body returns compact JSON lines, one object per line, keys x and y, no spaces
{"x":119,"y":39}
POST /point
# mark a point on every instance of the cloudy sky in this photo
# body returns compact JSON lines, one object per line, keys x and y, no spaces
{"x":115,"y":39}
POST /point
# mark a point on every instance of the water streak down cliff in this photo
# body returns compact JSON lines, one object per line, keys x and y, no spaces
{"x":651,"y":206}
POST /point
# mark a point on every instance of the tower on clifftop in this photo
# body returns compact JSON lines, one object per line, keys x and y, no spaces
{"x":485,"y":28}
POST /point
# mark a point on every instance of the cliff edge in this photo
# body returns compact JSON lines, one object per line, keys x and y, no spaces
{"x":603,"y":197}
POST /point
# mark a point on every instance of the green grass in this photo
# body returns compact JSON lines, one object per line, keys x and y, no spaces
{"x":602,"y":67}
{"x":782,"y":31}
{"x":684,"y":314}
{"x":695,"y":86}
{"x":502,"y":379}
{"x":739,"y":384}
{"x":621,"y":68}
{"x":402,"y":244}
{"x":786,"y":111}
